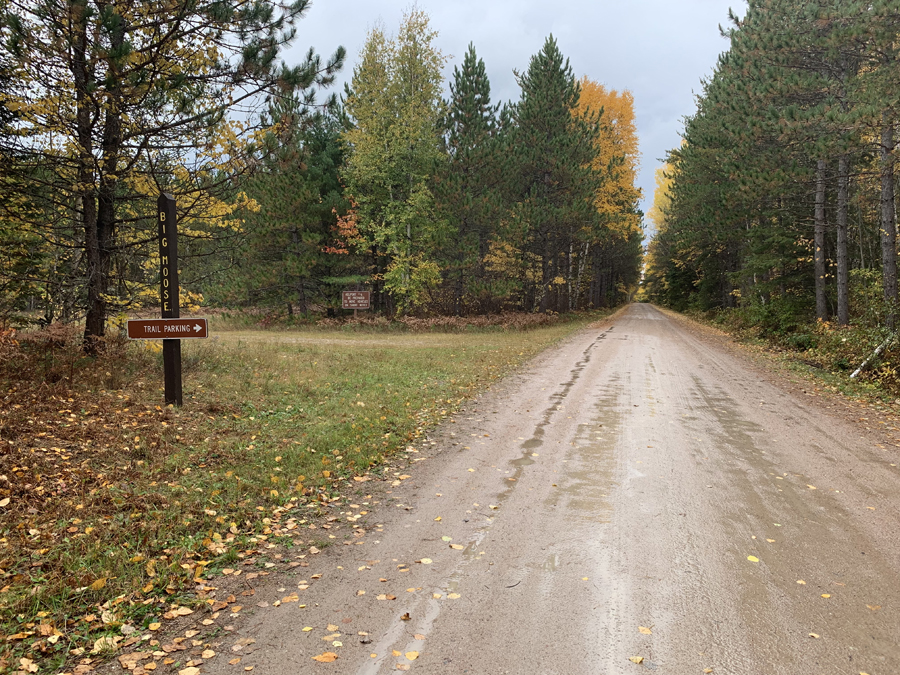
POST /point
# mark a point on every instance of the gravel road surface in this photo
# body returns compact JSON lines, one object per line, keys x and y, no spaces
{"x":638,"y":493}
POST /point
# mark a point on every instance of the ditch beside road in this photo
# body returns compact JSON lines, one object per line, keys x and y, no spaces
{"x":638,"y":497}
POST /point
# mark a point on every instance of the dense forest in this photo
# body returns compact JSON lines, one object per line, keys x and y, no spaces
{"x":437,"y":204}
{"x":780,"y":203}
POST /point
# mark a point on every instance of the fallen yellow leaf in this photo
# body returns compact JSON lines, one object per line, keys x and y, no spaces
{"x":412,"y":656}
{"x":426,"y":561}
{"x":453,"y":596}
{"x":814,"y":635}
{"x":752,"y":558}
{"x":234,"y":662}
{"x":458,"y":547}
{"x":332,"y":628}
{"x":97,"y":585}
{"x":636,"y":659}
{"x":155,"y":625}
{"x":327,"y":657}
{"x":189,"y":671}
{"x":644,"y":630}
{"x":826,"y":595}
{"x":801,"y":582}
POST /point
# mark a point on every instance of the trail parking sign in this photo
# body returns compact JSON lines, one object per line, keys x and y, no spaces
{"x":160,"y":329}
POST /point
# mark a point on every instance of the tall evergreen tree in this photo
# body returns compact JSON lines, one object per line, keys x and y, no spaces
{"x":552,"y":181}
{"x":469,"y":187}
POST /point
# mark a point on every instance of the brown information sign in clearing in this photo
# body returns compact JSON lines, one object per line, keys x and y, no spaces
{"x":169,"y":329}
{"x":355,"y":299}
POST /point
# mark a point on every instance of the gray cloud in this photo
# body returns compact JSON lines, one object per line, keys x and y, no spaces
{"x":657,"y":49}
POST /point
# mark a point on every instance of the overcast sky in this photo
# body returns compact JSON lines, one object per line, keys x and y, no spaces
{"x":658,"y":49}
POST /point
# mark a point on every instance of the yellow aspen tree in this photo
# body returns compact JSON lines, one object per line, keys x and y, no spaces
{"x":617,"y":152}
{"x":614,"y":250}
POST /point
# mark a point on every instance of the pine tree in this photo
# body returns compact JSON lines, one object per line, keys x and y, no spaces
{"x":552,"y":182}
{"x":469,"y":187}
{"x":283,"y":258}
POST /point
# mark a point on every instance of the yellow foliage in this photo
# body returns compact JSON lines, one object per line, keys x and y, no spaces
{"x":661,"y":197}
{"x":617,"y":151}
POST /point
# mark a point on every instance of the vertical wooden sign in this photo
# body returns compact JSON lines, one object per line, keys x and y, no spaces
{"x":169,"y":294}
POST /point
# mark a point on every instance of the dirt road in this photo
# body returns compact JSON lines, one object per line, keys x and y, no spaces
{"x":638,"y":491}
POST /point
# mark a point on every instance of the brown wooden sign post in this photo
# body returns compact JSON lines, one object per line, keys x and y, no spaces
{"x":169,"y":295}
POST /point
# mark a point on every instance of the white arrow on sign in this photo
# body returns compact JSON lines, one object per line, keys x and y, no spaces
{"x":197,"y":328}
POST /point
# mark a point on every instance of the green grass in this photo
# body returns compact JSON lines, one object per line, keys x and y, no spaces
{"x":274,"y":426}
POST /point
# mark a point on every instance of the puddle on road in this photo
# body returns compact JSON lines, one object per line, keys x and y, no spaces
{"x":733,"y":429}
{"x":588,"y":479}
{"x":551,"y":564}
{"x":386,"y":644}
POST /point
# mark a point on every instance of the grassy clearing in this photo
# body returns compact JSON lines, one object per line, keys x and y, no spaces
{"x":113,"y":507}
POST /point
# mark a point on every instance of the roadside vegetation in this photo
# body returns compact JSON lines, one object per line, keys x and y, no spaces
{"x":777,"y":214}
{"x":115,"y":508}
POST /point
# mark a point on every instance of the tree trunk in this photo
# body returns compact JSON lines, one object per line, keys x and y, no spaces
{"x":81,"y":75}
{"x":99,"y":235}
{"x":579,"y":276}
{"x":819,"y":242}
{"x":459,"y":286}
{"x":546,"y":278}
{"x":843,"y":269}
{"x":888,"y":216}
{"x":377,"y":300}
